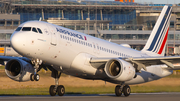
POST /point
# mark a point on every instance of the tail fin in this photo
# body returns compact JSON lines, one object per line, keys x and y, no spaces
{"x":158,"y":37}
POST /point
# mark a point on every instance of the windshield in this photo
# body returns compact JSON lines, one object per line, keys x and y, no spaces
{"x":37,"y":30}
{"x":34,"y":30}
{"x":26,"y":29}
{"x":18,"y":29}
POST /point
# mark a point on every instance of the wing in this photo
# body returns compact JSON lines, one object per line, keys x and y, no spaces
{"x":7,"y":58}
{"x":147,"y":61}
{"x":141,"y":62}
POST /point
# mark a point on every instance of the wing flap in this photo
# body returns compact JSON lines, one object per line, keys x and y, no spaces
{"x":147,"y":61}
{"x":155,"y":60}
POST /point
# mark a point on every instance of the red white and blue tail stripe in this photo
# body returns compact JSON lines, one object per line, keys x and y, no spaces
{"x":158,"y":37}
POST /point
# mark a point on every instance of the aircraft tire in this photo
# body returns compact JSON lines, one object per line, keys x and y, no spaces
{"x":118,"y":90}
{"x":61,"y":90}
{"x":126,"y":90}
{"x":32,"y":77}
{"x":36,"y":77}
{"x":52,"y":90}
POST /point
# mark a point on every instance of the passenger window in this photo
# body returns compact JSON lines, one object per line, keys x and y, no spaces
{"x":26,"y":29}
{"x":18,"y":29}
{"x":39,"y":30}
{"x":34,"y":30}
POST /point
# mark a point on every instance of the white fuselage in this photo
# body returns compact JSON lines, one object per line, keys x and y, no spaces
{"x":69,"y":51}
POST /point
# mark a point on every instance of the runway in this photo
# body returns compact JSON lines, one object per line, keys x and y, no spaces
{"x":96,"y":97}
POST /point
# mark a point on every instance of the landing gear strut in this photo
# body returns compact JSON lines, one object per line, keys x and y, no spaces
{"x":59,"y":89}
{"x":122,"y":89}
{"x":36,"y":63}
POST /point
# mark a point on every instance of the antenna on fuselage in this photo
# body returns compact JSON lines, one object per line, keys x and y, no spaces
{"x":40,"y":19}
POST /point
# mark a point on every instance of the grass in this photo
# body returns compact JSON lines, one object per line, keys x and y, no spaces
{"x":153,"y":89}
{"x":25,"y":91}
{"x":2,"y":67}
{"x":173,"y":76}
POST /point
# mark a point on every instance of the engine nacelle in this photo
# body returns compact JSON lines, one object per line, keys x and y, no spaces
{"x":119,"y":70}
{"x":19,"y":70}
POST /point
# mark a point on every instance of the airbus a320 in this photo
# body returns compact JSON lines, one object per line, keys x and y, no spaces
{"x":61,"y":50}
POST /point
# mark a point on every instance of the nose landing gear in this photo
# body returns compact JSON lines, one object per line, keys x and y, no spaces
{"x":35,"y":77}
{"x":36,"y":63}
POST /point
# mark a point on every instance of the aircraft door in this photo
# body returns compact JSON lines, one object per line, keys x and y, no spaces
{"x":52,"y":32}
{"x":96,"y":48}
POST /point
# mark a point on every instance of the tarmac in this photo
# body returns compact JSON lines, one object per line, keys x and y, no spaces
{"x":96,"y":97}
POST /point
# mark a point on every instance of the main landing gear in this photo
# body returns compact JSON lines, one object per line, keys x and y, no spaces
{"x":36,"y":63}
{"x":59,"y":89}
{"x":122,"y":89}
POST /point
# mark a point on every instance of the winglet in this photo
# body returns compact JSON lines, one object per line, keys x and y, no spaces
{"x":158,"y":37}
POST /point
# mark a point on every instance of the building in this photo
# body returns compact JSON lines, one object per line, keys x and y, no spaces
{"x":9,"y":21}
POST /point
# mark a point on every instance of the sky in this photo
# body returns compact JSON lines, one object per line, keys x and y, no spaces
{"x":158,"y":1}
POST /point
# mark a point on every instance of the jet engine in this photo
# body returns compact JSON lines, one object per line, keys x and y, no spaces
{"x":19,"y":70}
{"x":119,"y":70}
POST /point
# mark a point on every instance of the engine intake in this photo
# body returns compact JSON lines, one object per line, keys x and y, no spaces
{"x":18,"y":70}
{"x":120,"y":70}
{"x":114,"y":68}
{"x":14,"y":68}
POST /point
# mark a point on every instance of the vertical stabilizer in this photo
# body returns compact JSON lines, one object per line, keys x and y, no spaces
{"x":158,"y":37}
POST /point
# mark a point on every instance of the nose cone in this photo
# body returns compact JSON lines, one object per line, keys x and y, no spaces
{"x":17,"y":42}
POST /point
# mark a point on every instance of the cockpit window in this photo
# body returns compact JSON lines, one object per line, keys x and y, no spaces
{"x":34,"y":30}
{"x":39,"y":30}
{"x":18,"y":29}
{"x":26,"y":29}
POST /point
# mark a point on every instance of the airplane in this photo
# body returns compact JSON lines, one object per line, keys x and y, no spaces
{"x":62,"y":50}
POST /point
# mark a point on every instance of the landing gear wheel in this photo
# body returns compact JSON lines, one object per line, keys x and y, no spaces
{"x":37,"y":67}
{"x":52,"y":90}
{"x":36,"y":77}
{"x":126,"y":90}
{"x":118,"y":90}
{"x":61,"y":90}
{"x":32,"y":77}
